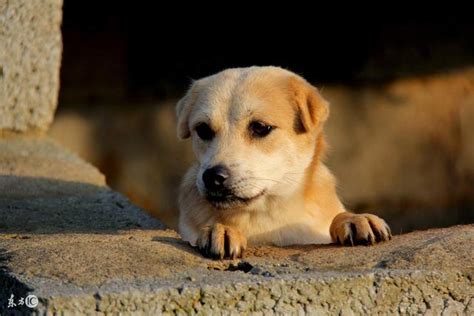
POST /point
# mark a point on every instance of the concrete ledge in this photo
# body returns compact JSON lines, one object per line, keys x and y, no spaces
{"x":154,"y":271}
{"x":45,"y":189}
{"x":82,"y":248}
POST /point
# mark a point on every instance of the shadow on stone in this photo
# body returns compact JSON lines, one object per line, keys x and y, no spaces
{"x":177,"y":243}
{"x":34,"y":205}
{"x":12,"y":290}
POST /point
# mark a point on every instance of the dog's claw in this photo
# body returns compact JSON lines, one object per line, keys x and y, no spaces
{"x":371,"y":239}
{"x":221,"y":242}
{"x":349,"y":241}
{"x":363,"y":229}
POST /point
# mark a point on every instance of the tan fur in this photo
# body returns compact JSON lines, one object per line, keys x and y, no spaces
{"x":295,"y":193}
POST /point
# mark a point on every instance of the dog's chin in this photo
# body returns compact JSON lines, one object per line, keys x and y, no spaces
{"x":229,"y":201}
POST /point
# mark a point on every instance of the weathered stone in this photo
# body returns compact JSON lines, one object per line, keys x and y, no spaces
{"x":45,"y":189}
{"x":30,"y":56}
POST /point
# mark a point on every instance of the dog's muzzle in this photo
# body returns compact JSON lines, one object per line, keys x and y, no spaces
{"x":216,"y":181}
{"x":218,"y":191}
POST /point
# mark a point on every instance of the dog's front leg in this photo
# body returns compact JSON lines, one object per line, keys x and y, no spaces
{"x":220,"y":241}
{"x":359,"y":229}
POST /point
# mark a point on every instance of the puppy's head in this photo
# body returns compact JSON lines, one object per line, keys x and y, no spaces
{"x":253,"y":131}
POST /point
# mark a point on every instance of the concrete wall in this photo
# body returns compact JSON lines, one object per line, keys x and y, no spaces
{"x":30,"y":57}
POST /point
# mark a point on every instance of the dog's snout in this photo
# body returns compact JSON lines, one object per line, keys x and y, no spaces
{"x":214,"y":178}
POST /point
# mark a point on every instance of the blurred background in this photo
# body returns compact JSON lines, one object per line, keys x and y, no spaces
{"x":401,"y":90}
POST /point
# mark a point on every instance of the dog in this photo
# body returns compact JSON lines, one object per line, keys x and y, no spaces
{"x":260,"y":179}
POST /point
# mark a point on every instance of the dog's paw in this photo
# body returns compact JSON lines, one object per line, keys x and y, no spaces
{"x":359,"y":229}
{"x":220,"y":241}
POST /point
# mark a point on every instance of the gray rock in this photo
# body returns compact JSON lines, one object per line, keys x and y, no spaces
{"x":30,"y":57}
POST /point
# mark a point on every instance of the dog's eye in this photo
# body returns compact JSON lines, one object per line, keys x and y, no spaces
{"x":204,"y":131}
{"x":259,"y":129}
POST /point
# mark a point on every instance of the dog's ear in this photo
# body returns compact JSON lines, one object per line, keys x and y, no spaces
{"x":183,"y":110}
{"x":311,"y":108}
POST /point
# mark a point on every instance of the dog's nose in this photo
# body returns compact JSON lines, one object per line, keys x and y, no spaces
{"x":214,"y":178}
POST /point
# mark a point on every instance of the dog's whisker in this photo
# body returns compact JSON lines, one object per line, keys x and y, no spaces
{"x":303,"y":172}
{"x":256,"y":186}
{"x":264,"y":179}
{"x":285,"y":180}
{"x":290,"y":180}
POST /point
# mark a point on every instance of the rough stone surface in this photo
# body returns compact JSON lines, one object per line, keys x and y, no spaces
{"x":45,"y":189}
{"x":30,"y":56}
{"x":82,"y":248}
{"x":154,"y":271}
